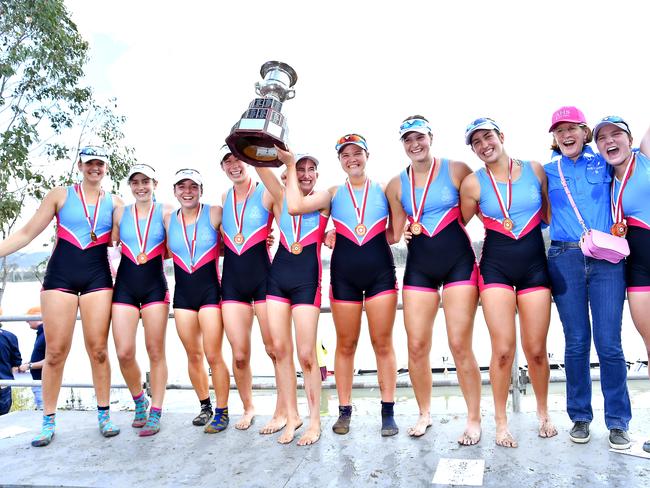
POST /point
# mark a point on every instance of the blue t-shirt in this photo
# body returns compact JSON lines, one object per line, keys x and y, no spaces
{"x":9,"y":354}
{"x":588,"y":179}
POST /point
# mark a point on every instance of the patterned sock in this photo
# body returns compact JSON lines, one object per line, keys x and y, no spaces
{"x":106,"y":427}
{"x":153,"y":423}
{"x":141,"y":406}
{"x":219,"y":422}
{"x":47,"y":431}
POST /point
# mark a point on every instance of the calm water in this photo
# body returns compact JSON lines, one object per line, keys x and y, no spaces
{"x":20,"y":296}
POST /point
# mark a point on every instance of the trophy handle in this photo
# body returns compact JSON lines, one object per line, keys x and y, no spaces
{"x":290,"y":94}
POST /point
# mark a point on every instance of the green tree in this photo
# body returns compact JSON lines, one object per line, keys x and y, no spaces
{"x":46,"y":113}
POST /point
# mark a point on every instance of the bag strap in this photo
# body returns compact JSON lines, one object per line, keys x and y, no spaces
{"x":568,"y":194}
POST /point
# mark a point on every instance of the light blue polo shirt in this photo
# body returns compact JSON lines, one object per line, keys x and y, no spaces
{"x":588,"y":179}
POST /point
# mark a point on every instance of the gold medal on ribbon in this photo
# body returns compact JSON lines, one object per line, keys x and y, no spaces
{"x":91,"y":223}
{"x":142,"y":258}
{"x":296,"y":248}
{"x":619,"y":229}
{"x":416,"y":227}
{"x":508,"y":224}
{"x":239,"y":238}
{"x":360,"y":210}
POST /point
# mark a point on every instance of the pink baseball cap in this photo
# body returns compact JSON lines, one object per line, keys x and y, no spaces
{"x":567,"y":114}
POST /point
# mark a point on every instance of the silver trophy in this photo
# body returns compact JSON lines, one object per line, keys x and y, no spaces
{"x":262,"y":126}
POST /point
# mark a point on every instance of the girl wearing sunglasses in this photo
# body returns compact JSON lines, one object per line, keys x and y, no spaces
{"x":426,"y":193}
{"x":509,"y":196}
{"x":141,"y":291}
{"x":78,"y":277}
{"x":362,"y":275}
{"x":630,"y":190}
{"x":193,"y":241}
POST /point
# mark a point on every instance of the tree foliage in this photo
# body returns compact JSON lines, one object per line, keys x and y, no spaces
{"x":46,"y":111}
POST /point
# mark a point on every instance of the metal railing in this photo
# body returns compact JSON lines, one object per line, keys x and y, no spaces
{"x":518,"y":382}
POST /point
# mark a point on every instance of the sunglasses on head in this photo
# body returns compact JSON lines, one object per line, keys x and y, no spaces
{"x":409,"y":124}
{"x":351,"y":138}
{"x":478,"y":122}
{"x":93,"y":151}
{"x":615,"y":119}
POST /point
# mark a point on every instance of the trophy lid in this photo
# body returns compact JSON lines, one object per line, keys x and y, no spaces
{"x":282,"y":67}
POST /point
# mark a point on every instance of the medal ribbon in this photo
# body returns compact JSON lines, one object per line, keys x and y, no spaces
{"x":417,"y":211}
{"x":296,"y":224}
{"x":360,"y":212}
{"x":192,"y":248}
{"x":91,"y":223}
{"x":616,"y":204}
{"x":505,"y":208}
{"x":239,"y":217}
{"x":142,"y":243}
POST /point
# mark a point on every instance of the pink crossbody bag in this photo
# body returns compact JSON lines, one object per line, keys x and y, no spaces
{"x":594,"y":243}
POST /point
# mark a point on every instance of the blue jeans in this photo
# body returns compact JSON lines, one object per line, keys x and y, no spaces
{"x":579,"y":283}
{"x":38,"y":397}
{"x":5,"y":399}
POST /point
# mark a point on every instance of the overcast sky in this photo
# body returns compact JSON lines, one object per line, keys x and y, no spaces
{"x":183,"y":73}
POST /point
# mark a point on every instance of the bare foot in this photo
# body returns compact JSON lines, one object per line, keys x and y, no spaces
{"x":311,"y":436}
{"x":276,"y":424}
{"x":504,"y":437}
{"x":472,"y":434}
{"x":289,"y":431}
{"x":423,"y":423}
{"x":546,"y":427}
{"x":246,"y":420}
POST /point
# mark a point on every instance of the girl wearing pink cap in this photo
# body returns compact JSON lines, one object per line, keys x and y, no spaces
{"x":426,"y":193}
{"x":630,"y":190}
{"x":581,"y":284}
{"x":509,"y":195}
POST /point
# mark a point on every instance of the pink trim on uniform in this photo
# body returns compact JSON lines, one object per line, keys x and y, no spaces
{"x":166,"y":302}
{"x":211,"y":305}
{"x":459,"y":283}
{"x":62,"y":290}
{"x":638,"y":289}
{"x":532,"y":289}
{"x":305,"y":305}
{"x":95,"y":289}
{"x":278,"y":299}
{"x":259,"y":301}
{"x":352,"y":302}
{"x":126,"y":305}
{"x":452,"y":215}
{"x":423,"y":289}
{"x":387,"y":292}
{"x":230,"y":302}
{"x":473,"y":279}
{"x":181,"y":264}
{"x":637,"y":223}
{"x":484,"y":287}
{"x":374,"y":230}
